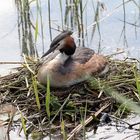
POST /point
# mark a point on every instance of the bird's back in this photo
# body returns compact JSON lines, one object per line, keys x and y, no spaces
{"x":77,"y":68}
{"x":81,"y":55}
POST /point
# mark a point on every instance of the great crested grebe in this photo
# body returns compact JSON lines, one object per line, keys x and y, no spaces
{"x":68,"y":64}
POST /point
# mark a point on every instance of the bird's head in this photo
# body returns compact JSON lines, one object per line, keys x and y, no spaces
{"x":67,"y":46}
{"x":60,"y":41}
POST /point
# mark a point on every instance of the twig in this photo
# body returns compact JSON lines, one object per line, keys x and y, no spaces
{"x":9,"y":126}
{"x":80,"y":126}
{"x":60,"y":108}
{"x":130,"y":136}
{"x":131,"y":125}
{"x":130,"y":23}
{"x":115,"y":54}
{"x":27,"y":65}
{"x":102,"y":19}
{"x":12,"y":62}
{"x":89,"y":90}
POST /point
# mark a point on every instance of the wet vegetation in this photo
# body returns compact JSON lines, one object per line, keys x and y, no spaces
{"x":66,"y":112}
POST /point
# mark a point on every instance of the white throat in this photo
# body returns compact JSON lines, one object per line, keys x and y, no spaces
{"x":61,"y":57}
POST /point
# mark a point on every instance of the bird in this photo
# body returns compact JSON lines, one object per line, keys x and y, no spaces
{"x":56,"y":40}
{"x":66,"y":64}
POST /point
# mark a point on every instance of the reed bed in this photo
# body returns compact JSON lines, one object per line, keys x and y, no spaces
{"x":68,"y":110}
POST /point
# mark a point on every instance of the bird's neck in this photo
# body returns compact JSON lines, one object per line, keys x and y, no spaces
{"x":61,"y":58}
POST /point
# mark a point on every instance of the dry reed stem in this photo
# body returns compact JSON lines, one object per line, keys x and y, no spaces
{"x":87,"y":121}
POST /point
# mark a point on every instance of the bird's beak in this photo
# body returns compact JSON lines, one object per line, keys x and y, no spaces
{"x":50,"y":50}
{"x":58,"y":42}
{"x":58,"y":46}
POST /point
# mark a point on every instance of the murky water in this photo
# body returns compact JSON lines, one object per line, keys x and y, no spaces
{"x":110,"y":29}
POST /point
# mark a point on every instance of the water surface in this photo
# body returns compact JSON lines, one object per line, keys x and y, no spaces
{"x":110,"y":29}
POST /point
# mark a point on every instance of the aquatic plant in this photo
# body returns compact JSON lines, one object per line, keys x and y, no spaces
{"x":116,"y":92}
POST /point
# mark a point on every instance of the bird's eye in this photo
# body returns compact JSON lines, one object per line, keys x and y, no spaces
{"x":58,"y":43}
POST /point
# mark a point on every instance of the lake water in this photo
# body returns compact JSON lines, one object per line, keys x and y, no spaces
{"x":110,"y":28}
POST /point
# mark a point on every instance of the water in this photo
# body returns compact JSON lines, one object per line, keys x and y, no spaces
{"x":113,"y":132}
{"x":117,"y":130}
{"x":9,"y":49}
{"x":110,"y":29}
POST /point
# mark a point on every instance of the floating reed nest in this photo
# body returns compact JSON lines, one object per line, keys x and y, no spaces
{"x":70,"y":105}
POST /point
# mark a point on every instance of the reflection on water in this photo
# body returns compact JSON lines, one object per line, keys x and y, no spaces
{"x":121,"y":132}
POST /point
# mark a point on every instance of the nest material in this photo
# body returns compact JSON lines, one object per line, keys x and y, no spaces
{"x":69,"y":104}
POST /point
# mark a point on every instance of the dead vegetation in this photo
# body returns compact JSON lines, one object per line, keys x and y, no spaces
{"x":69,"y":110}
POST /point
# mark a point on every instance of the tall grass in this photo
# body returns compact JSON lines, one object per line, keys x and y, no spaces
{"x":96,"y":19}
{"x":49,"y":19}
{"x":137,"y":79}
{"x":48,"y":98}
{"x":35,"y":88}
{"x":23,"y":122}
{"x":73,"y":19}
{"x":48,"y":104}
{"x":129,"y":104}
{"x":39,"y":10}
{"x":63,"y":130}
{"x":25,"y":28}
{"x":74,"y":15}
{"x":61,"y":9}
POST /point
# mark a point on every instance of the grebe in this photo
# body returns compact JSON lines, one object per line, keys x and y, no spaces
{"x":68,"y":64}
{"x":55,"y":43}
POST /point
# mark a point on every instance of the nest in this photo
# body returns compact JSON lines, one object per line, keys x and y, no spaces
{"x":70,"y":105}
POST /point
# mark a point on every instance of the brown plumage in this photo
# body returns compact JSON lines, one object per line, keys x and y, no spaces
{"x":55,"y":43}
{"x":65,"y":68}
{"x":67,"y":46}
